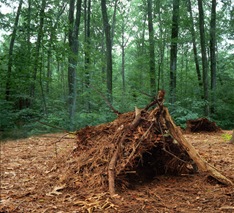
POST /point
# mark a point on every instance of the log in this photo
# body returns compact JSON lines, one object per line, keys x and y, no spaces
{"x":201,"y":163}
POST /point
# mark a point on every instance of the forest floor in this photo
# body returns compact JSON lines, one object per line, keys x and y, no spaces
{"x":29,"y":171}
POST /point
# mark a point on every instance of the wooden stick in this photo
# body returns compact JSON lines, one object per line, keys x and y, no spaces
{"x":111,"y":171}
{"x":112,"y":164}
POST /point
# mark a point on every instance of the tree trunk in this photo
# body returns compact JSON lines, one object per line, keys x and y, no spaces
{"x":162,"y":44}
{"x":151,"y":50}
{"x":52,"y":38}
{"x":10,"y":54}
{"x":29,"y":32}
{"x":87,"y":6}
{"x":213,"y":55}
{"x":73,"y":58}
{"x":204,"y":57}
{"x":107,"y":31}
{"x":173,"y":54}
{"x":37,"y":60}
{"x":113,"y":22}
{"x":194,"y":45}
{"x":123,"y":44}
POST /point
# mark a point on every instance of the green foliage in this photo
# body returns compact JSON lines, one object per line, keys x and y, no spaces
{"x":188,"y":109}
{"x":226,"y":137}
{"x":49,"y":104}
{"x":7,"y":117}
{"x":15,"y":123}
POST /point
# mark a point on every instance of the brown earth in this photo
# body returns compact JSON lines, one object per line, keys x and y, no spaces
{"x":31,"y":167}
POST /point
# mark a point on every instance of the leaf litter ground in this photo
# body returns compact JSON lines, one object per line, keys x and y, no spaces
{"x":36,"y":177}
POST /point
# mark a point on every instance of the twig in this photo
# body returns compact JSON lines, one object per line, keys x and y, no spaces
{"x":173,"y":155}
{"x":138,"y":144}
{"x":106,"y":100}
{"x":56,"y":149}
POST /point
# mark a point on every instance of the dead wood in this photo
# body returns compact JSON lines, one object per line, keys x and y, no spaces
{"x":111,"y":167}
{"x":134,"y":148}
{"x":201,"y":163}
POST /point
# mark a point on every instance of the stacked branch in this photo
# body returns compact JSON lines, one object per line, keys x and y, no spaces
{"x":136,"y":146}
{"x":160,"y":121}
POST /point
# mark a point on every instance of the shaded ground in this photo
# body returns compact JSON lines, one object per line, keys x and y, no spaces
{"x":31,"y":167}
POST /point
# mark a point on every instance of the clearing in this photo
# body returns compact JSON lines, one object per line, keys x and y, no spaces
{"x":30,"y":169}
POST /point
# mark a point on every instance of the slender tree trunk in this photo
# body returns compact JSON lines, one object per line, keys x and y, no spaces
{"x":29,"y":46}
{"x":44,"y":105}
{"x":52,"y":38}
{"x":107,"y":31}
{"x":213,"y":55}
{"x":10,"y":54}
{"x":49,"y":71}
{"x":151,"y":50}
{"x":37,"y":60}
{"x":194,"y":45}
{"x":123,"y":71}
{"x":73,"y":58}
{"x":162,"y":44}
{"x":113,"y":22}
{"x":123,"y":61}
{"x":87,"y":6}
{"x":204,"y":57}
{"x":173,"y":53}
{"x":141,"y":51}
{"x":123,"y":44}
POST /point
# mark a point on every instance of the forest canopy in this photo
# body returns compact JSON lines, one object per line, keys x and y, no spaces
{"x":68,"y":64}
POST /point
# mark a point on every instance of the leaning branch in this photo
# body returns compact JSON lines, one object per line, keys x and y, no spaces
{"x":201,"y":163}
{"x":111,"y":168}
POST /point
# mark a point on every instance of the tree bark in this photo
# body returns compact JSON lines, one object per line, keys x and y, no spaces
{"x":107,"y":30}
{"x":87,"y":12}
{"x":199,"y":78}
{"x":123,"y":62}
{"x":37,"y":60}
{"x":204,"y":57}
{"x":173,"y":52}
{"x":161,"y":47}
{"x":52,"y":38}
{"x":73,"y":58}
{"x":213,"y":55}
{"x":113,"y":22}
{"x":151,"y":50}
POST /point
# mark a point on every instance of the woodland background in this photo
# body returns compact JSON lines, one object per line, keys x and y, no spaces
{"x":64,"y":63}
